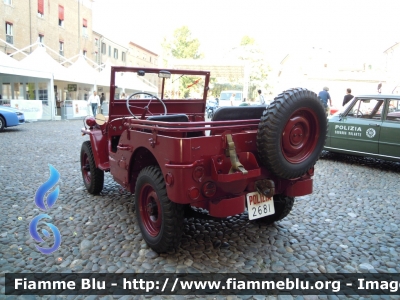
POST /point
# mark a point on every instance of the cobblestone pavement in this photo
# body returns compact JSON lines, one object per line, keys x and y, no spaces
{"x":349,"y":224}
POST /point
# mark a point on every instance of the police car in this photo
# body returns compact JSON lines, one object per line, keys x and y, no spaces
{"x":369,"y":125}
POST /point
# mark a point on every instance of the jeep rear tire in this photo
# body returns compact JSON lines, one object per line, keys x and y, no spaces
{"x":283,"y":206}
{"x":160,"y":220}
{"x":292,"y":133}
{"x":93,"y":177}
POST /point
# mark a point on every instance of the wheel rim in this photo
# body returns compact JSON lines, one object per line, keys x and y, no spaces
{"x":300,"y":135}
{"x":86,"y":169}
{"x":150,"y":210}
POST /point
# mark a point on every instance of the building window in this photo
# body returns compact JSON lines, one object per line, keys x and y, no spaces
{"x":123,"y":56}
{"x":41,"y":38}
{"x":84,"y":28}
{"x":96,"y":57}
{"x":61,"y":16}
{"x":9,"y":2}
{"x":103,"y":48}
{"x":9,"y":33}
{"x":40,"y":8}
{"x":150,"y":58}
{"x":109,"y":51}
{"x":84,"y":52}
{"x":61,"y":48}
{"x":115,"y":53}
{"x":96,"y":42}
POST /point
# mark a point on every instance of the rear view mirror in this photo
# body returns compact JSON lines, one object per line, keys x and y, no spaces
{"x":164,"y":74}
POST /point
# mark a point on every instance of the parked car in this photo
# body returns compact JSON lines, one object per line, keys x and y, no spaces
{"x":10,"y":116}
{"x":225,"y":98}
{"x":369,"y":125}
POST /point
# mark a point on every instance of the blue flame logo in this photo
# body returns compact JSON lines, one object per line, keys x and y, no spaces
{"x":45,"y":187}
{"x":40,"y":202}
{"x":36,"y":237}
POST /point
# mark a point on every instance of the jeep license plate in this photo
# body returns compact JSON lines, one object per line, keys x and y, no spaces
{"x":259,"y":206}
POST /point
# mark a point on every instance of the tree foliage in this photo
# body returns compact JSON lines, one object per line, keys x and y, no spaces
{"x":182,"y":46}
{"x":219,"y":87}
{"x":246,"y":40}
{"x":259,"y":69}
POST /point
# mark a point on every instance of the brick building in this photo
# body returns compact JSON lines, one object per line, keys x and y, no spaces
{"x":141,"y":57}
{"x":65,"y":28}
{"x":64,"y":25}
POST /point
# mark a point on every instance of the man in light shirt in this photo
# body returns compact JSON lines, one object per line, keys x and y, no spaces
{"x":261,"y":98}
{"x":232,"y":99}
{"x":94,"y":100}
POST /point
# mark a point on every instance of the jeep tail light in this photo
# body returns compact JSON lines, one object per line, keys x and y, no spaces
{"x":169,"y":179}
{"x":194,"y":193}
{"x":209,"y":189}
{"x":198,"y":174}
{"x":90,"y":121}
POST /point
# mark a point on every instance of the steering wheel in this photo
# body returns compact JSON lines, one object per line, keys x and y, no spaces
{"x":146,"y":108}
{"x":358,"y":113}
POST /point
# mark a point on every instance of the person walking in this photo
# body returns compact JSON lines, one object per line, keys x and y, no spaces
{"x":348,"y":97}
{"x":324,"y":97}
{"x":233,"y":96}
{"x":102,"y":98}
{"x":261,"y":98}
{"x":94,"y":101}
{"x":380,"y":87}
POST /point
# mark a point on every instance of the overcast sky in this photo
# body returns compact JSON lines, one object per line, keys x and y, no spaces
{"x":354,"y":28}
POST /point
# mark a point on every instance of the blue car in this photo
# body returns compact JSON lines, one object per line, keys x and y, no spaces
{"x":10,"y":117}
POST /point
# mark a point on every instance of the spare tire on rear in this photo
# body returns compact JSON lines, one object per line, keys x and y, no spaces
{"x":292,"y":133}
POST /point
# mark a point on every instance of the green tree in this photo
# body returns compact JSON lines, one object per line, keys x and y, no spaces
{"x":182,"y":46}
{"x":259,"y":69}
{"x":246,"y":40}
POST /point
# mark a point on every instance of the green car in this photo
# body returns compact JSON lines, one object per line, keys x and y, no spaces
{"x":367,"y":126}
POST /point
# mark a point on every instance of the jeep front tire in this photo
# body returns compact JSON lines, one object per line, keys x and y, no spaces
{"x":93,"y":177}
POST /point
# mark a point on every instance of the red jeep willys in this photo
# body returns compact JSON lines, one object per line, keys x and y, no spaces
{"x":160,"y":148}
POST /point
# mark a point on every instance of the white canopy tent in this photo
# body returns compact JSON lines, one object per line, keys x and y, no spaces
{"x":40,"y":60}
{"x":130,"y":81}
{"x":11,"y":66}
{"x":104,"y":76}
{"x":27,"y":86}
{"x":82,"y":72}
